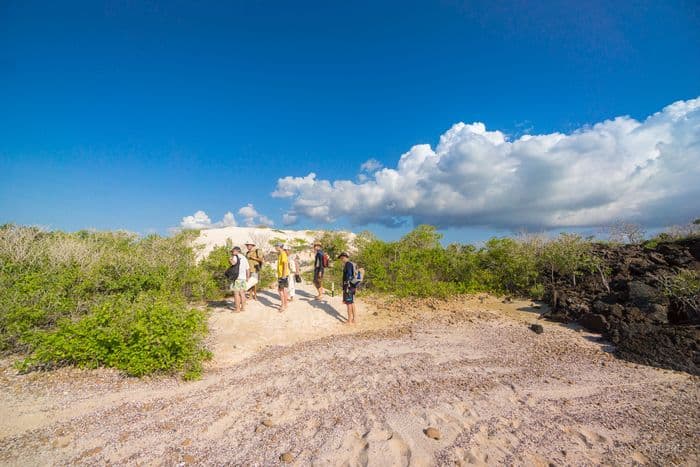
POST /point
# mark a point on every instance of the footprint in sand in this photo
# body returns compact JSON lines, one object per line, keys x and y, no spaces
{"x":380,"y":446}
{"x":589,"y":438}
{"x":590,"y":442}
{"x":351,"y":452}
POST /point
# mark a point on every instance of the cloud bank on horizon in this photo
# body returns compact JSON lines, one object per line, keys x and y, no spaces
{"x":647,"y":172}
{"x":251,"y":218}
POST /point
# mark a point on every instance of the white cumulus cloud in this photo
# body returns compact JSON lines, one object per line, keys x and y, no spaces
{"x":646,"y":171}
{"x":200,"y":220}
{"x":289,"y":218}
{"x":251,"y":217}
{"x":371,"y":165}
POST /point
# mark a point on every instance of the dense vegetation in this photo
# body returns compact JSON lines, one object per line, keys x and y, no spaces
{"x":103,"y":299}
{"x":119,"y":300}
{"x":418,"y":265}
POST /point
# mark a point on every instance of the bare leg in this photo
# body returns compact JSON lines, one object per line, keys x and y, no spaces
{"x":236,"y":301}
{"x":351,"y":313}
{"x":242,"y":293}
{"x":283,"y":299}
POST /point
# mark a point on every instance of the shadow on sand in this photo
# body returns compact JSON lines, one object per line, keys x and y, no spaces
{"x":219,"y":304}
{"x":321,"y":305}
{"x":265,"y":298}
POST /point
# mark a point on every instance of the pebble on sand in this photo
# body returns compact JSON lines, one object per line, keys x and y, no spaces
{"x":287,"y":457}
{"x":537,"y":328}
{"x":433,"y":433}
{"x":268,"y":423}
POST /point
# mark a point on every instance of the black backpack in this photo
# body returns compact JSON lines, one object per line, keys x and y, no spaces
{"x":232,"y":272}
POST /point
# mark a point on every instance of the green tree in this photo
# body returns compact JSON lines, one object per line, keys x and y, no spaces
{"x":568,"y":256}
{"x":333,"y":242}
{"x":422,"y":237}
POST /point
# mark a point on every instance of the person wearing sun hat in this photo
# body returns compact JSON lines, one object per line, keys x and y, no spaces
{"x":255,"y":259}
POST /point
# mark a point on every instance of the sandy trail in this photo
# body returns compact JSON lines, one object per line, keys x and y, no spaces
{"x":236,"y":336}
{"x":304,"y":385}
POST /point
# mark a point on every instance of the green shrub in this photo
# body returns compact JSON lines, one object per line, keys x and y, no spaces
{"x":153,"y":334}
{"x":53,"y":280}
{"x":267,"y":278}
{"x":569,"y":256}
{"x":536,"y":292}
{"x":683,"y":289}
{"x":275,"y":240}
{"x":299,"y":244}
{"x":418,"y":265}
{"x":334,"y":243}
{"x":508,"y":266}
{"x":215,"y":264}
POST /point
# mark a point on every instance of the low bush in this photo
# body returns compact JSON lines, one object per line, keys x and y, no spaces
{"x":267,"y":278}
{"x":215,"y":264}
{"x":418,"y":265}
{"x":415,"y":265}
{"x":334,"y":243}
{"x":683,"y":291}
{"x":569,"y":256}
{"x":56,"y":284}
{"x":152,"y":334}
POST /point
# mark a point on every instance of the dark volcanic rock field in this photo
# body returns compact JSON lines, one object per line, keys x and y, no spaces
{"x":640,"y":303}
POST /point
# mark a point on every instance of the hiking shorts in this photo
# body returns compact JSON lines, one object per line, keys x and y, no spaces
{"x":349,"y":295}
{"x":239,"y":285}
{"x":282,"y":283}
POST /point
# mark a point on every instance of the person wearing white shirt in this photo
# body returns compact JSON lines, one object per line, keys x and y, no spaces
{"x":240,"y":284}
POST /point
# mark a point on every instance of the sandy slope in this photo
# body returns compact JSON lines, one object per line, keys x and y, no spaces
{"x":497,"y":392}
{"x":211,"y":238}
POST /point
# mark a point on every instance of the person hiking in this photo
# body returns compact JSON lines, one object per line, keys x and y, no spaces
{"x":255,"y":259}
{"x":318,"y":270}
{"x":291,"y":289}
{"x":348,"y":286}
{"x":297,"y":269}
{"x":282,"y":275}
{"x":240,"y":283}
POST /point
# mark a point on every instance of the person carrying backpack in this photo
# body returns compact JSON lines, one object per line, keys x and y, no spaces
{"x":320,"y":263}
{"x":256,"y":259}
{"x":238,"y":273}
{"x":350,"y":283}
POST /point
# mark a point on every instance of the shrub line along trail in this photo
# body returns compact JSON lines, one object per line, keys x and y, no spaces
{"x":301,"y":386}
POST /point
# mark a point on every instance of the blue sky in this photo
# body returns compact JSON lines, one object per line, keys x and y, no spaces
{"x":136,"y":114}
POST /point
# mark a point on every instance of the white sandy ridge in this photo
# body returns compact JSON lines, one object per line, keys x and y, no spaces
{"x":263,"y":238}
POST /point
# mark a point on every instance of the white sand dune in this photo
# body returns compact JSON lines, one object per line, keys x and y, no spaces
{"x":237,"y":236}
